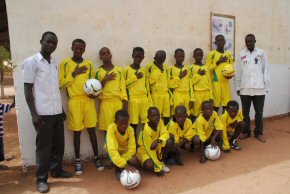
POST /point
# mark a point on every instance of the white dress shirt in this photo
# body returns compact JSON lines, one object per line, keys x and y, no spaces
{"x":45,"y":79}
{"x":252,"y":73}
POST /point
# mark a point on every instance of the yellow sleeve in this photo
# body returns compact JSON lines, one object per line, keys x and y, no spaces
{"x":195,"y":76}
{"x":147,"y":141}
{"x":152,"y":77}
{"x":172,"y":130}
{"x":131,"y":145}
{"x":123,"y":88}
{"x":189,"y":131}
{"x":173,"y":81}
{"x":164,"y":134}
{"x":208,"y":74}
{"x":200,"y":130}
{"x":218,"y":124}
{"x":65,"y":76}
{"x":191,"y":94}
{"x":129,"y":81}
{"x":210,"y":62}
{"x":112,"y":147}
{"x":226,"y":144}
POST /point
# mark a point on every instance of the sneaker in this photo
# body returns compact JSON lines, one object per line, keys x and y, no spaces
{"x":78,"y":167}
{"x":99,"y":163}
{"x":166,"y":169}
{"x":42,"y":187}
{"x":235,"y":146}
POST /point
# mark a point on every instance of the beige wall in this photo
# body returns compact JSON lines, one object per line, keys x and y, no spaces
{"x":152,"y":24}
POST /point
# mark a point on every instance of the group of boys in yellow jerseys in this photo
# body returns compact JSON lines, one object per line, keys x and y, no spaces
{"x":150,"y":96}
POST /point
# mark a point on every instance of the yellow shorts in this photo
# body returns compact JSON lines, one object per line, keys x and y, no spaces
{"x":108,"y":108}
{"x":181,"y":99}
{"x":81,"y":113}
{"x":142,"y":155}
{"x":200,"y":97}
{"x":137,"y":108}
{"x":162,"y":102}
{"x":221,"y":93}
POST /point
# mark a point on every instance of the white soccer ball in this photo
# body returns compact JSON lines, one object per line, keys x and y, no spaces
{"x":212,"y":153}
{"x":130,"y":179}
{"x":93,"y":86}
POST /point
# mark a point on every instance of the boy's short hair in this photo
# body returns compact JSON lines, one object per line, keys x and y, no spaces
{"x":233,"y":103}
{"x":250,"y":35}
{"x":78,"y":40}
{"x":138,"y":49}
{"x":205,"y":102}
{"x":150,"y":109}
{"x":197,"y":49}
{"x":220,"y":36}
{"x":180,"y":109}
{"x":47,"y":33}
{"x":178,"y":50}
{"x":121,"y":114}
{"x":102,"y":49}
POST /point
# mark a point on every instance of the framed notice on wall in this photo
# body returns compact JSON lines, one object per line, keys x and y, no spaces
{"x":225,"y":25}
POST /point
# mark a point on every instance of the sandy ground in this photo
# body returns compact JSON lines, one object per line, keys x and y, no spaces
{"x":258,"y":168}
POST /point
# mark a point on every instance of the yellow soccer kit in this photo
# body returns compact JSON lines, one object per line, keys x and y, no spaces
{"x":205,"y":128}
{"x":202,"y":87}
{"x":81,"y":109}
{"x":180,"y":134}
{"x":146,"y":138}
{"x":158,"y":82}
{"x":221,"y":85}
{"x":111,"y":96}
{"x":121,"y":148}
{"x":227,"y":121}
{"x":182,"y":90}
{"x":138,"y":94}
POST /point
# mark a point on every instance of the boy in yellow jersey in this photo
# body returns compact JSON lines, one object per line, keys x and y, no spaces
{"x":158,"y":82}
{"x":138,"y":91}
{"x":179,"y":82}
{"x":181,"y":133}
{"x":121,"y":144}
{"x":234,"y":125}
{"x":113,"y":96}
{"x":201,"y":83}
{"x":154,"y":144}
{"x":74,"y":72}
{"x":217,"y":59}
{"x":209,"y":128}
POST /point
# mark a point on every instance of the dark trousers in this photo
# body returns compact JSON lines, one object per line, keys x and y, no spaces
{"x":1,"y":149}
{"x":258,"y":102}
{"x":49,"y":146}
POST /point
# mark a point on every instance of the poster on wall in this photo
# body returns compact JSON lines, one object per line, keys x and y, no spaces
{"x":225,"y":25}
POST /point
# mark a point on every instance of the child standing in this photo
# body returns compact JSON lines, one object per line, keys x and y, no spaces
{"x":4,"y":108}
{"x":120,"y":143}
{"x":74,"y":72}
{"x":217,"y":59}
{"x":201,"y":83}
{"x":138,"y":91}
{"x":113,"y":96}
{"x":234,"y":125}
{"x":179,"y":82}
{"x":158,"y":82}
{"x":154,"y":144}
{"x":208,"y":127}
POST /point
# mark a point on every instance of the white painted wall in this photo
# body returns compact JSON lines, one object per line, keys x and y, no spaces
{"x":163,"y":24}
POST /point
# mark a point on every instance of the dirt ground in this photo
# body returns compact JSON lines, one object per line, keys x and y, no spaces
{"x":257,"y":168}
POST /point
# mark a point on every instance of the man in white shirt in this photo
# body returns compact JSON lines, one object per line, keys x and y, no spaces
{"x":252,"y":83}
{"x":41,"y":88}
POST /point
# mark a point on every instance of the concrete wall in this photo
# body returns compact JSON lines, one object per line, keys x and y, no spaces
{"x":164,"y":24}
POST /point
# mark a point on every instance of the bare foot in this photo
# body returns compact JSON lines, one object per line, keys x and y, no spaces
{"x":260,"y":138}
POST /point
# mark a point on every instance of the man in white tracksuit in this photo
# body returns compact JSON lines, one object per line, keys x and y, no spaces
{"x":252,"y":83}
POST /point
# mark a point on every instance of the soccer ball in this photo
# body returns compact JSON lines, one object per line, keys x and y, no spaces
{"x":228,"y":71}
{"x":93,"y":87}
{"x":130,"y":179}
{"x":212,"y":153}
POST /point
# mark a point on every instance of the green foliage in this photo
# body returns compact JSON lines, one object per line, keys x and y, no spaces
{"x":5,"y":55}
